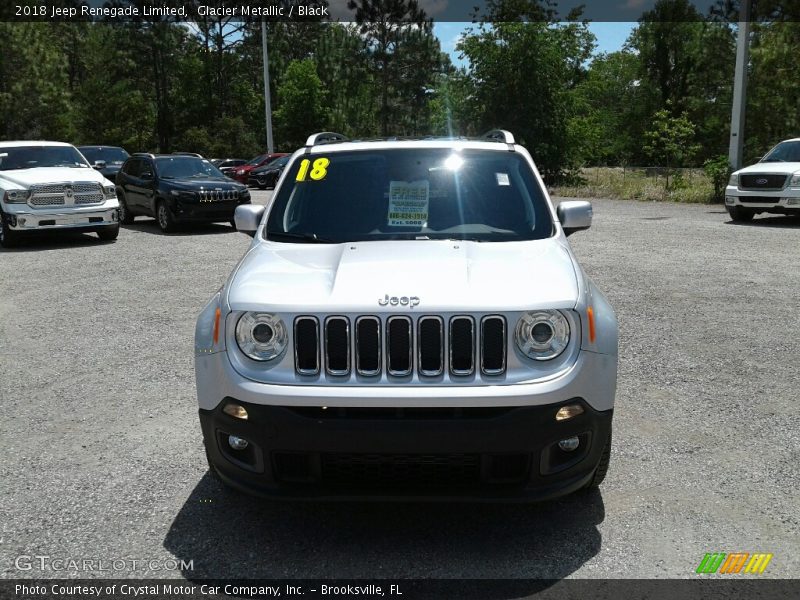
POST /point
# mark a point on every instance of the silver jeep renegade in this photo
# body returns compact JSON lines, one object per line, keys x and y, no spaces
{"x":409,"y":321}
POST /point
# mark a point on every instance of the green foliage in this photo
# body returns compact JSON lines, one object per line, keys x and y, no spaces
{"x":160,"y":86}
{"x":645,"y":185}
{"x":523,"y":77}
{"x":773,"y":88}
{"x":669,"y":142}
{"x":405,"y":57}
{"x":718,"y":170}
{"x":301,"y":109}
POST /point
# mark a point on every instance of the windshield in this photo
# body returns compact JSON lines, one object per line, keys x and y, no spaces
{"x":112,"y":156}
{"x":409,"y":194}
{"x":784,"y":152}
{"x":256,"y":160}
{"x":186,"y":167}
{"x":31,"y":157}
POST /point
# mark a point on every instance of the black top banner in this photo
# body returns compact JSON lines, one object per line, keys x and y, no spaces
{"x":435,"y":10}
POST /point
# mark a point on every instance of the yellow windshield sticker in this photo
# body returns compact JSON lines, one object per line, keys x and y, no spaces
{"x":319,"y":169}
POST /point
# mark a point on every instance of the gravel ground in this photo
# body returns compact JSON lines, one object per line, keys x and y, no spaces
{"x":102,"y":453}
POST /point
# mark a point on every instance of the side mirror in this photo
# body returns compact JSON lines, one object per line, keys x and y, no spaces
{"x":99,"y":164}
{"x":575,"y":215}
{"x":247,"y":218}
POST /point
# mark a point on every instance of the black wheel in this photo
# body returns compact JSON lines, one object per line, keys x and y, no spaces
{"x":602,"y":467}
{"x":125,"y":215}
{"x":233,"y":223}
{"x":164,"y":217}
{"x":740,"y":214}
{"x":108,"y":233}
{"x":262,"y":185}
{"x":8,"y":237}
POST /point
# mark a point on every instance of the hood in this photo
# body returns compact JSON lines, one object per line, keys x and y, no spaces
{"x":771,"y":167}
{"x":446,"y":276}
{"x":208,"y":184}
{"x":265,"y":169}
{"x":25,"y":178}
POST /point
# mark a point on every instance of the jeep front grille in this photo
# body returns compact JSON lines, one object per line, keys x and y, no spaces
{"x":60,"y":194}
{"x":400,"y":347}
{"x":218,"y":195}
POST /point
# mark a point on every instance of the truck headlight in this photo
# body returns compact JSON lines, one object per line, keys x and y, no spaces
{"x":795,"y":180}
{"x":261,"y":336}
{"x":734,"y":180}
{"x":17,"y":196}
{"x":110,"y":192}
{"x":542,"y":334}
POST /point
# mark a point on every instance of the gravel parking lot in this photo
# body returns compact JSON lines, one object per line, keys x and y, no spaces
{"x":102,"y":453}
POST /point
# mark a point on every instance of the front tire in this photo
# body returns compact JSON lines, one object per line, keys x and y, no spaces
{"x":740,"y":214}
{"x":8,"y":237}
{"x":602,"y":467}
{"x":125,"y":215}
{"x":109,"y":233}
{"x":164,"y":218}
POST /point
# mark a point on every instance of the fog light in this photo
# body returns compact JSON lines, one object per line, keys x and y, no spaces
{"x":238,"y":443}
{"x":793,"y":201}
{"x":728,"y":199}
{"x":236,"y":411}
{"x":14,"y":221}
{"x":567,"y":412}
{"x":567,"y":445}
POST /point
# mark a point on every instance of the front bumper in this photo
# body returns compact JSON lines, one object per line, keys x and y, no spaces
{"x":194,"y":210}
{"x":784,"y":201}
{"x":21,"y":217}
{"x":492,"y":454}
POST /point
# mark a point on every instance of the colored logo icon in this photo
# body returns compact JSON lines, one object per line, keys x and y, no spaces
{"x":733,"y":563}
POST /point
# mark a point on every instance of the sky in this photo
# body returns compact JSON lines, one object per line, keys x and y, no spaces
{"x":610,"y":36}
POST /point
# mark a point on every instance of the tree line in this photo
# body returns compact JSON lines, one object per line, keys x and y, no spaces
{"x":663,"y":99}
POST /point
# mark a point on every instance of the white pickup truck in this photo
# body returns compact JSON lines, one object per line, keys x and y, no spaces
{"x":50,"y":185}
{"x":772,"y":185}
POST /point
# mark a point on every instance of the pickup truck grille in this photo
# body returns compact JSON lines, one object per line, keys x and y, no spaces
{"x":766,"y":181}
{"x":60,"y":194}
{"x":400,"y":346}
{"x":218,"y":195}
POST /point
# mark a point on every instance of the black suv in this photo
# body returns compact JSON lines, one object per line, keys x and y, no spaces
{"x":176,"y":188}
{"x":106,"y":159}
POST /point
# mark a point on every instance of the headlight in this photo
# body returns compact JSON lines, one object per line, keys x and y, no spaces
{"x":261,"y":336}
{"x":542,"y":334}
{"x":734,"y":180}
{"x":17,"y":196}
{"x":184,"y":193}
{"x":240,"y":172}
{"x":110,"y":192}
{"x":795,"y":180}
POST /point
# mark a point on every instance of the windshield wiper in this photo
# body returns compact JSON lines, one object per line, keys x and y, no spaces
{"x":308,"y":237}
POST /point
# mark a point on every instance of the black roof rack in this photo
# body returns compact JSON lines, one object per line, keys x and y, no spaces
{"x":325,"y":137}
{"x":147,"y":154}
